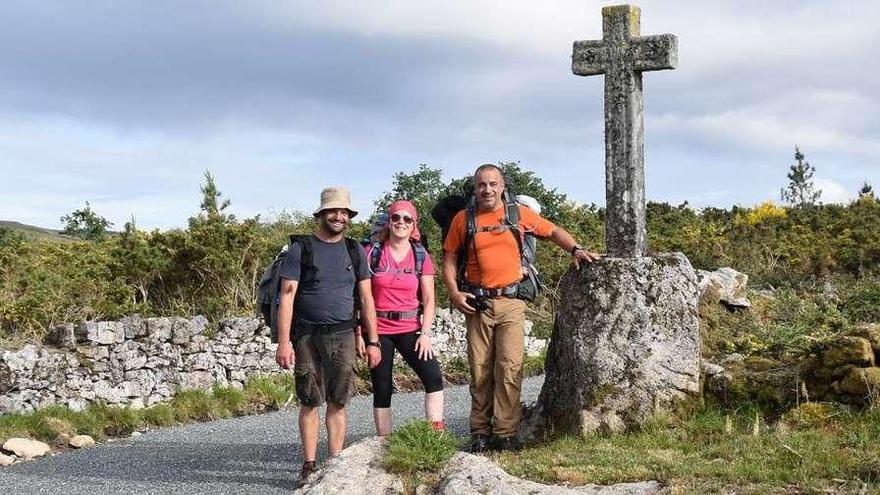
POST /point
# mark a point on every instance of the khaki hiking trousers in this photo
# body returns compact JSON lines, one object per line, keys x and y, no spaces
{"x":495,"y":354}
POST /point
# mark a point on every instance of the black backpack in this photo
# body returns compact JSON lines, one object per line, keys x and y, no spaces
{"x":269,"y":288}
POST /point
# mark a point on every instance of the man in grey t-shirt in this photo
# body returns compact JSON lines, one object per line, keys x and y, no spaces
{"x":322,"y":346}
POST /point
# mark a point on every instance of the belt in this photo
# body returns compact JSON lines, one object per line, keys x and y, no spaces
{"x":398,"y":315}
{"x":509,"y":291}
{"x":302,"y":327}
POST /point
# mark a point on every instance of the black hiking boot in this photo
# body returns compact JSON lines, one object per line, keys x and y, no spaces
{"x":308,"y":468}
{"x":479,"y":443}
{"x":509,"y":444}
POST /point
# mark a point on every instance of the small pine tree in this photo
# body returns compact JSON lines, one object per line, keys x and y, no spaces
{"x":866,"y":191}
{"x":84,"y":223}
{"x":211,"y":204}
{"x":800,"y":191}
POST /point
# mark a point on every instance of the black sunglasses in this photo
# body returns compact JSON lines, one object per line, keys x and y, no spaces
{"x":397,"y":216}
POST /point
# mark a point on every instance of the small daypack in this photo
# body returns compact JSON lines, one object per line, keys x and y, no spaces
{"x":269,"y":288}
{"x":446,"y":209}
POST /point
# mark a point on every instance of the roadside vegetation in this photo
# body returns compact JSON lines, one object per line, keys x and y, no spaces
{"x":100,"y":421}
{"x":817,"y":448}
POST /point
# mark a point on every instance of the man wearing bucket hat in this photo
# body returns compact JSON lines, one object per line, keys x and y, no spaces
{"x":324,"y":278}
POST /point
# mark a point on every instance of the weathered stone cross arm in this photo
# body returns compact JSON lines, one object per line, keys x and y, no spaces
{"x":622,"y":44}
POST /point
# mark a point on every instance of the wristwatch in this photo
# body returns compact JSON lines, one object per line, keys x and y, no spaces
{"x":374,"y":344}
{"x":576,"y":247}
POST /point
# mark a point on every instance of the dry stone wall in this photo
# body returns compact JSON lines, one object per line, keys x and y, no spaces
{"x":141,"y":361}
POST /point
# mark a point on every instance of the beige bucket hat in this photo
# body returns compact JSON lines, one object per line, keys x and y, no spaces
{"x":336,"y":197}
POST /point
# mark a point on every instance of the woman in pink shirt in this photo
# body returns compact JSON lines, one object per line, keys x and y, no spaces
{"x":405,"y":313}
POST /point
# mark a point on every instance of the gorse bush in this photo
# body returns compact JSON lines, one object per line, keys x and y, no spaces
{"x":212,"y":267}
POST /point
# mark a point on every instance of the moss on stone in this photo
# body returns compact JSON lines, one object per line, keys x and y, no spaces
{"x":855,"y":351}
{"x":601,"y":394}
{"x":862,"y":382}
{"x":759,"y":363}
{"x":871,"y":333}
{"x":810,"y":415}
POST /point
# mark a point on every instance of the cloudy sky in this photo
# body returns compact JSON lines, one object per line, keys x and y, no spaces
{"x":127,"y":104}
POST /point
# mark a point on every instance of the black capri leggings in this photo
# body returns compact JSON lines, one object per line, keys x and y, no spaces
{"x":405,"y":343}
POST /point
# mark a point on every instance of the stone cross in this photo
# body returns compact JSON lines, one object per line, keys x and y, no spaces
{"x":622,"y":55}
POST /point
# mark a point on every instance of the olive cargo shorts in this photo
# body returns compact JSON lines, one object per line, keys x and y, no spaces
{"x":325,"y":367}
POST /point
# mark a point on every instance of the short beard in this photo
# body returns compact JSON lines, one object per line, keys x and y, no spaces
{"x":329,"y":228}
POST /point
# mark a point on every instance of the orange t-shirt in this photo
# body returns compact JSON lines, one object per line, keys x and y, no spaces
{"x":497,"y":262}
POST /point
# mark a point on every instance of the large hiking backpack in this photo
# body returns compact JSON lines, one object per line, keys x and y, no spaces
{"x":269,"y":288}
{"x":446,"y":209}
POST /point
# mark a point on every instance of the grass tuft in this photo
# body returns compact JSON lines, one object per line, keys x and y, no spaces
{"x":416,"y":447}
{"x":270,"y":392}
{"x":197,"y":405}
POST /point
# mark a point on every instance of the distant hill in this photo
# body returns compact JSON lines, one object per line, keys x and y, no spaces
{"x":35,"y":232}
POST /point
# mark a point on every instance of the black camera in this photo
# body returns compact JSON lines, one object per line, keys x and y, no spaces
{"x":480,"y":303}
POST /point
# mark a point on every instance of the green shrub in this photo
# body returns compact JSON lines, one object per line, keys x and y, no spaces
{"x":117,"y":421}
{"x":270,"y":391}
{"x":159,"y":415}
{"x":231,"y":399}
{"x":197,"y":405}
{"x":416,"y":447}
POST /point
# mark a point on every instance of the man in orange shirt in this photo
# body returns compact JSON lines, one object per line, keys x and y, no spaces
{"x":486,"y":294}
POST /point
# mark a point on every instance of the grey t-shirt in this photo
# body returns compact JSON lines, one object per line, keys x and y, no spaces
{"x":327,"y":295}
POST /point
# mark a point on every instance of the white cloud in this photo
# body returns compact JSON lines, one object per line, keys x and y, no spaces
{"x":832,"y":191}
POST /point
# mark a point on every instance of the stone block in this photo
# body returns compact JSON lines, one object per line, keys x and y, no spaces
{"x":202,"y":361}
{"x":62,"y":336}
{"x":241,"y":328}
{"x":196,"y":380}
{"x":159,"y":329}
{"x":100,"y":332}
{"x":724,"y":285}
{"x":133,"y":326}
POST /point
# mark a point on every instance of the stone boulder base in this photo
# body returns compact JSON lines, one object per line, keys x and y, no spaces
{"x":625,"y":344}
{"x":356,"y":470}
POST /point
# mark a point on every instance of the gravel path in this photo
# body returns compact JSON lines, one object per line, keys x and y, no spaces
{"x":253,"y":454}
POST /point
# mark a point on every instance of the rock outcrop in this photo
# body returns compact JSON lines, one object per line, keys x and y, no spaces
{"x":724,"y":285}
{"x":358,"y":470}
{"x":26,"y":448}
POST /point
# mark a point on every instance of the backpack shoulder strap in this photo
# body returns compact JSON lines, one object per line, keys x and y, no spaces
{"x":419,"y":253}
{"x":511,"y":219}
{"x":375,"y":255}
{"x":353,"y":246}
{"x":354,"y":249}
{"x":306,"y":257}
